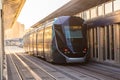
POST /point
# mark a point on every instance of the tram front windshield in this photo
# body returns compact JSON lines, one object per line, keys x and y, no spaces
{"x":74,"y":38}
{"x":72,"y":32}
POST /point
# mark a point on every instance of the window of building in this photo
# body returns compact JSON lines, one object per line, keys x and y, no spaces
{"x":100,"y":10}
{"x":116,"y":5}
{"x":87,"y":14}
{"x":79,"y":14}
{"x":108,"y":7}
{"x":83,"y":15}
{"x":93,"y":12}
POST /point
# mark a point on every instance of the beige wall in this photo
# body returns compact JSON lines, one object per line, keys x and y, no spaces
{"x":17,"y":31}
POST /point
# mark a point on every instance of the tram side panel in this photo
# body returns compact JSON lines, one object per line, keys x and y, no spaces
{"x":56,"y":45}
{"x":40,"y":44}
{"x":34,"y":43}
{"x":48,"y":43}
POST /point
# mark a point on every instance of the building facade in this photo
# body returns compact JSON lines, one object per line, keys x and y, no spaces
{"x":103,"y":29}
{"x":17,"y":31}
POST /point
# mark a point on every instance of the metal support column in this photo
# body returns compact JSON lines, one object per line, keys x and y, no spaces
{"x":1,"y":54}
{"x":1,"y":43}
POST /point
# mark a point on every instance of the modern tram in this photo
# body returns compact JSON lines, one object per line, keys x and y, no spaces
{"x":62,"y":40}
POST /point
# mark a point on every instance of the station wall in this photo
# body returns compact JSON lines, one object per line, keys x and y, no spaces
{"x":103,"y":31}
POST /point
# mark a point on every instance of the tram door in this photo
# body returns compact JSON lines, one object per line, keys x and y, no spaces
{"x":34,"y":44}
{"x":30,"y":46}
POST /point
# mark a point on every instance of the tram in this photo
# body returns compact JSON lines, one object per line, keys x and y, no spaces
{"x":61,"y":40}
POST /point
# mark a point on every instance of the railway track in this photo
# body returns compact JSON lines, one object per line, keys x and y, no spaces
{"x":38,"y":69}
{"x":78,"y":71}
{"x":21,"y":69}
{"x":55,"y":71}
{"x":24,"y":71}
{"x":102,"y":69}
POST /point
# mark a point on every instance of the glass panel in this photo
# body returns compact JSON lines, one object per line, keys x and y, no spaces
{"x":100,"y":10}
{"x":73,"y":32}
{"x":79,"y":14}
{"x":119,"y":41}
{"x":108,"y":43}
{"x":108,"y":7}
{"x":40,"y":42}
{"x":83,"y":15}
{"x":48,"y":34}
{"x":93,"y":13}
{"x":112,"y":43}
{"x":47,"y":39}
{"x":116,"y":5}
{"x":87,"y":14}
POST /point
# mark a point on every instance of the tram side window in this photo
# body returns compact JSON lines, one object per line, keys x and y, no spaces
{"x":40,"y":41}
{"x":60,"y":36}
{"x":34,"y":39}
{"x":73,"y":32}
{"x":40,"y":36}
{"x":31,"y":42}
{"x":48,"y":34}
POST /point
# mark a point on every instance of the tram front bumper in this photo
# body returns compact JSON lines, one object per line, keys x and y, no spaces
{"x":75,"y":60}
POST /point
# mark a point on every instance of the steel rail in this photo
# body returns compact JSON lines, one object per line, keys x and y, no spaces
{"x":16,"y":68}
{"x":31,"y":71}
{"x":40,"y":68}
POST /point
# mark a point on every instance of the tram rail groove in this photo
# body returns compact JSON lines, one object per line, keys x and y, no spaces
{"x":29,"y":69}
{"x":112,"y":69}
{"x":16,"y":68}
{"x":63,"y":72}
{"x":15,"y":58}
{"x":97,"y":78}
{"x":106,"y":69}
{"x":100,"y":70}
{"x":39,"y":67}
{"x":34,"y":73}
{"x":89,"y":71}
{"x":21,"y":70}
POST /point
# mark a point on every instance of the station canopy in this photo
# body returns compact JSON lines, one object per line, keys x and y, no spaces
{"x":10,"y":12}
{"x":71,"y":8}
{"x":12,"y":8}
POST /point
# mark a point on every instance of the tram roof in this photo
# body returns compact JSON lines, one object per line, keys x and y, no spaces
{"x":71,"y":8}
{"x":62,"y":20}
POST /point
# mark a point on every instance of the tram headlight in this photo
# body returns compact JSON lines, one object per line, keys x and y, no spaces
{"x":66,"y":51}
{"x":84,"y":50}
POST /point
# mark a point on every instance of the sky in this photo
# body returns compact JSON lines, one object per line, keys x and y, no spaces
{"x":35,"y":10}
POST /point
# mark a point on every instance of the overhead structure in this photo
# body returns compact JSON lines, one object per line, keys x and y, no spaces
{"x":73,"y":7}
{"x":11,"y":10}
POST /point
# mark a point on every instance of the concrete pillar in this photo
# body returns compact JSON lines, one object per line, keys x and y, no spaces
{"x":1,"y":43}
